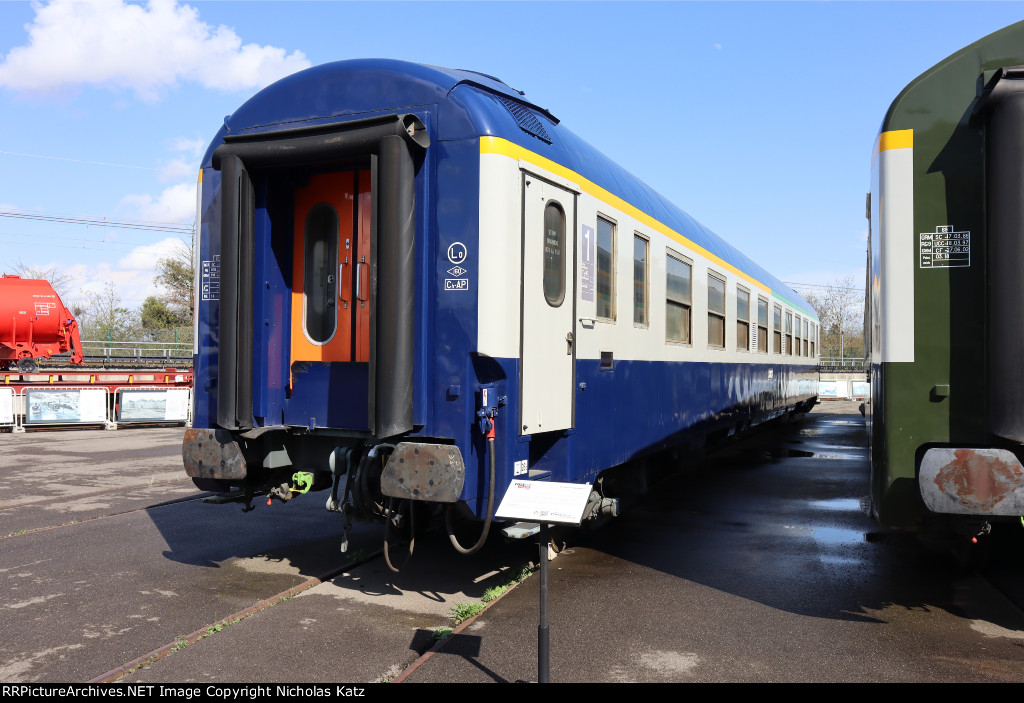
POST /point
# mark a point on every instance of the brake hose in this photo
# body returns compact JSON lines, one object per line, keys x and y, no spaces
{"x":387,"y":531}
{"x":490,"y":505}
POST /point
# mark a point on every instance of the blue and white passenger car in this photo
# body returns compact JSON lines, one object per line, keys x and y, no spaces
{"x":414,"y":285}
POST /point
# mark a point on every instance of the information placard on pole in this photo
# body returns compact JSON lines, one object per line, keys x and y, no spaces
{"x":546,"y":503}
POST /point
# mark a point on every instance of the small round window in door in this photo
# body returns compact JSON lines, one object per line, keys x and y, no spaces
{"x":320,"y":273}
{"x":554,"y":254}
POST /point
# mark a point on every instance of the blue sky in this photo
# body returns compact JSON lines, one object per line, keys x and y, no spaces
{"x":757,"y":118}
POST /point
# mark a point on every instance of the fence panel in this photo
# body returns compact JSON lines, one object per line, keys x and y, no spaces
{"x":66,"y":406}
{"x":833,"y":390}
{"x":153,"y":404}
{"x":8,"y":417}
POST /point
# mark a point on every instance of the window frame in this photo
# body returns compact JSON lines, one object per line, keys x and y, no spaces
{"x":741,"y":320}
{"x":761,"y":327}
{"x":686,"y":305}
{"x":328,"y":312}
{"x":645,"y":323}
{"x":556,"y":302}
{"x":611,"y":273}
{"x":788,"y":319}
{"x":714,"y":314}
{"x":777,"y":329}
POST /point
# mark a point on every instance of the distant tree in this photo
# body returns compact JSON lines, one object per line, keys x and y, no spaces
{"x":60,"y":280}
{"x":105,"y":318}
{"x":155,"y":315}
{"x":840,"y":308}
{"x":176,"y":275}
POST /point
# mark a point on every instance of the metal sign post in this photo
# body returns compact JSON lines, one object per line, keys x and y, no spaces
{"x":543,"y":631}
{"x":544,"y":503}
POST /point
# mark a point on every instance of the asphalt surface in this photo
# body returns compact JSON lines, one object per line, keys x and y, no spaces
{"x":755,"y":565}
{"x":760,"y":567}
{"x":51,"y":477}
{"x":108,"y":556}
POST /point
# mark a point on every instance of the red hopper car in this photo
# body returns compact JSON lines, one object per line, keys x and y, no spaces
{"x":34,"y":324}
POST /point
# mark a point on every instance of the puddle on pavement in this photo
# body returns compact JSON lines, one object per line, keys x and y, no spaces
{"x":838,"y":455}
{"x":833,"y":559}
{"x":775,"y":453}
{"x":839,"y":504}
{"x":841,"y":543}
{"x":837,"y":535}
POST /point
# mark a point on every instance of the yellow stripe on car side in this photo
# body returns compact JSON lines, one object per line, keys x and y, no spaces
{"x":897,"y":139}
{"x":497,"y":145}
{"x":894,"y":139}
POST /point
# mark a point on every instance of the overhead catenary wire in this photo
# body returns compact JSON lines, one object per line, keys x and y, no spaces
{"x":79,"y":161}
{"x":88,"y":244}
{"x":823,"y":286}
{"x":149,"y":226}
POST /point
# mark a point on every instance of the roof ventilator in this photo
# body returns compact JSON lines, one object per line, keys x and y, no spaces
{"x":525,"y":117}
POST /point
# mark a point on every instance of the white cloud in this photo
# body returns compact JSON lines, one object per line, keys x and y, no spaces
{"x":147,"y":50}
{"x":174,"y":204}
{"x":186,"y":165}
{"x":192,"y":148}
{"x":176,"y":169}
{"x":134,"y":274}
{"x":143,"y":258}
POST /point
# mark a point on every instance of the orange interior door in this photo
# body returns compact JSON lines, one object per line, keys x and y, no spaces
{"x":323,"y":268}
{"x":361,"y":308}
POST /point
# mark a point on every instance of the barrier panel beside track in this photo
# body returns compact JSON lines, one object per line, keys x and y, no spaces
{"x":8,"y":417}
{"x":153,"y":404}
{"x":844,"y":390}
{"x":66,"y":406}
{"x":81,"y":397}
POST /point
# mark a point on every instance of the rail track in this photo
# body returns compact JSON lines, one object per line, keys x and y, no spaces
{"x":105,"y":492}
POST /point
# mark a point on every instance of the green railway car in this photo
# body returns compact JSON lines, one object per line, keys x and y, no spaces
{"x":945,"y":298}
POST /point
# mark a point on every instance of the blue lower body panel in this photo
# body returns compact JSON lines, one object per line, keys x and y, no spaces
{"x":635,"y":409}
{"x":329,"y":394}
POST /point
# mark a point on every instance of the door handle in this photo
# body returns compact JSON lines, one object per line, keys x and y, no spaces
{"x":569,"y":340}
{"x":361,"y":271}
{"x":345,"y":280}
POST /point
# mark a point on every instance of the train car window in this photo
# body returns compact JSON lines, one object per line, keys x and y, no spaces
{"x":742,"y":319}
{"x":716,"y":311}
{"x":678,"y":299}
{"x":605,"y":269}
{"x":554,"y":254}
{"x":639,"y":280}
{"x":777,"y":330}
{"x":797,"y":344}
{"x":814,"y":337}
{"x":789,"y":333}
{"x":320,"y":268}
{"x":762,"y":325}
{"x":806,"y":329}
